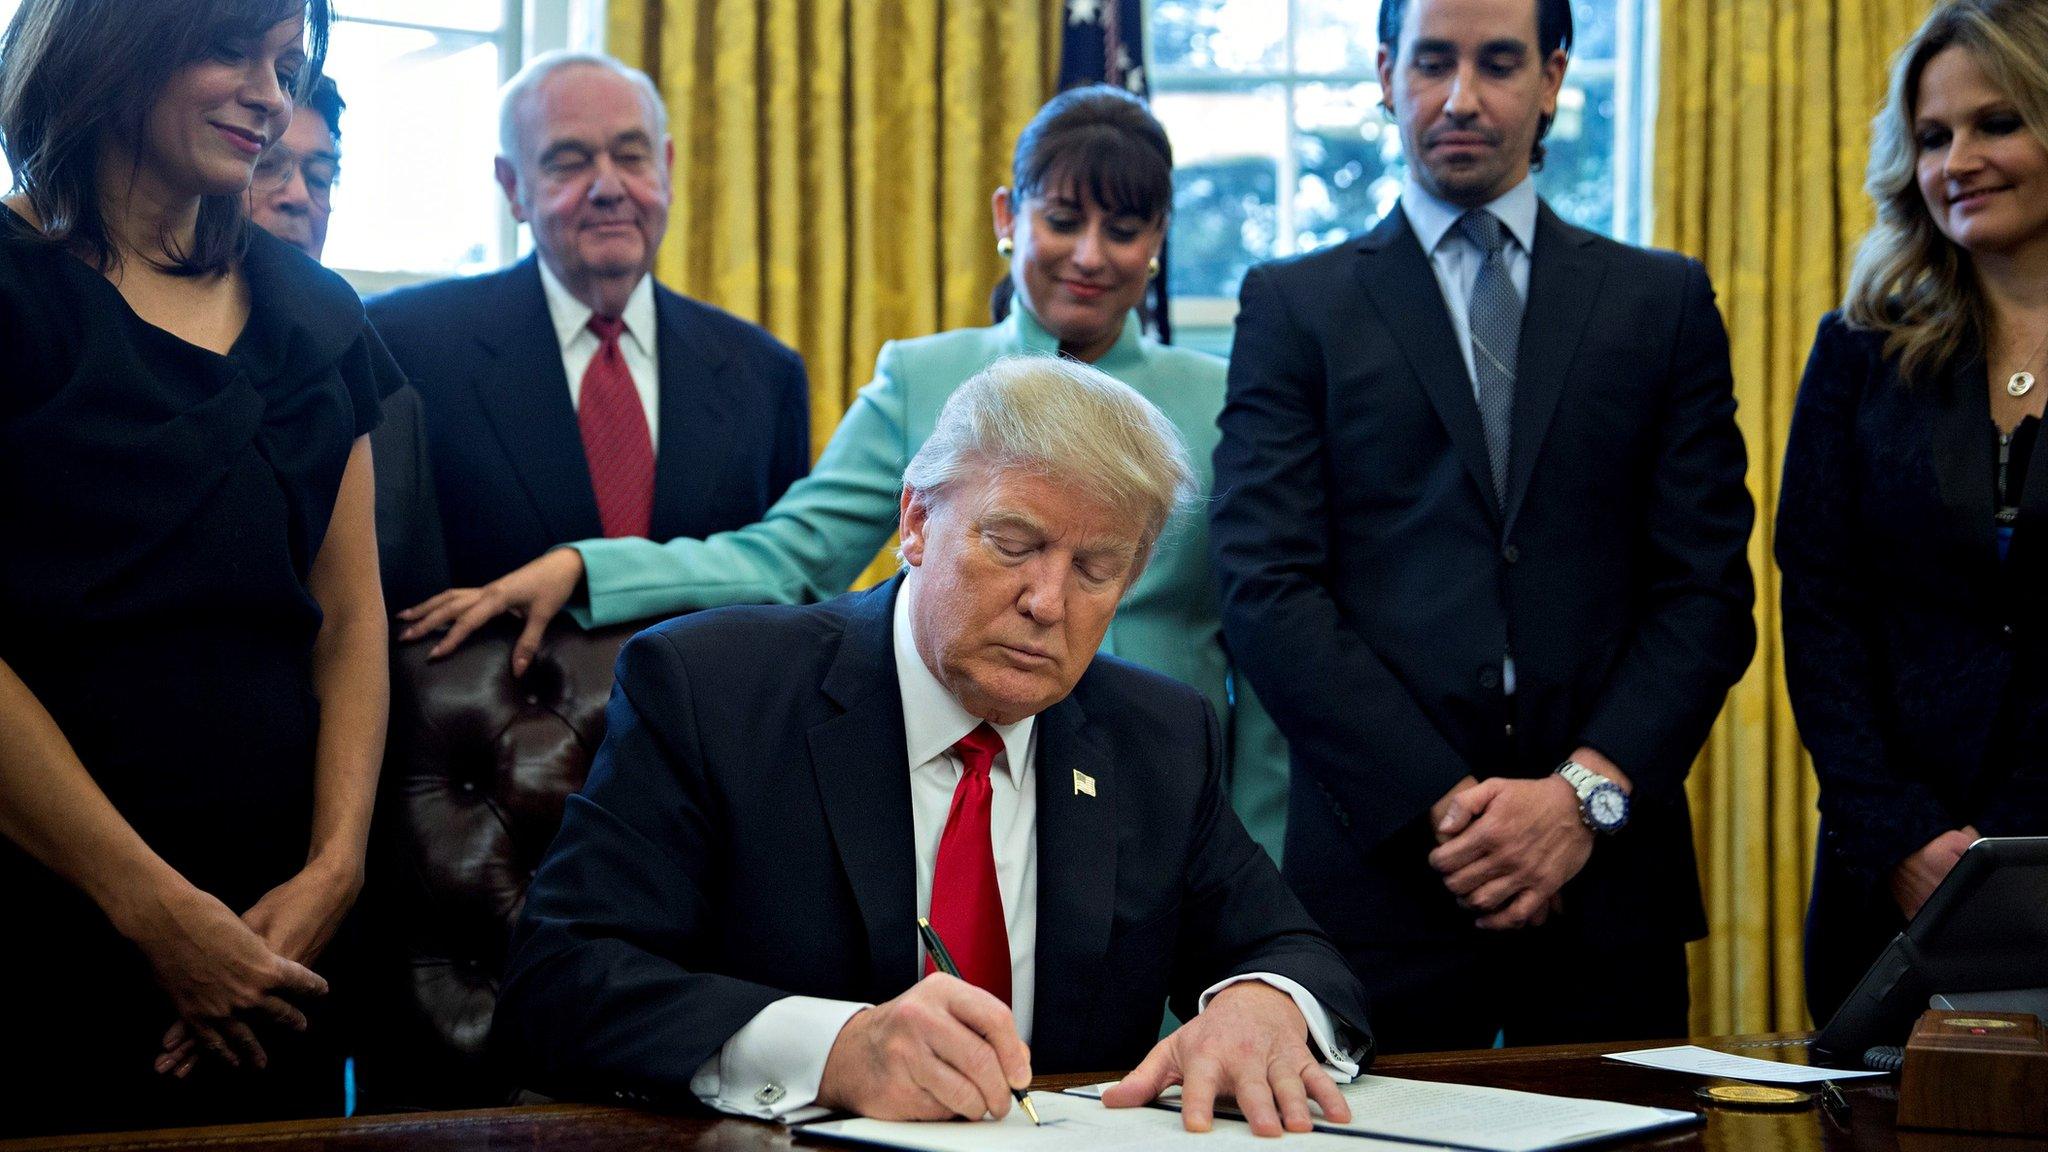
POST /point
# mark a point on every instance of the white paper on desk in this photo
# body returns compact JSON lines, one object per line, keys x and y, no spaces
{"x":1078,"y":1124}
{"x":1473,"y":1117}
{"x":1707,"y":1062}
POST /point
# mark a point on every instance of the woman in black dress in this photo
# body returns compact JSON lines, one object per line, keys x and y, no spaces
{"x":192,"y":645}
{"x":1913,"y":520}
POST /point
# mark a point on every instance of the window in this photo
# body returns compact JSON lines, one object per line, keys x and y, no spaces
{"x":1273,"y":107}
{"x":420,"y":78}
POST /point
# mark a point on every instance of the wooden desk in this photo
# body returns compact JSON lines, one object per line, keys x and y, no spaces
{"x":1576,"y":1070}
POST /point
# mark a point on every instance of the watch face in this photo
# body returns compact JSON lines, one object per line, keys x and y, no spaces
{"x":1607,"y":806}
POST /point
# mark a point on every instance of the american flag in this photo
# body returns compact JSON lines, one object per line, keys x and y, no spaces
{"x":1104,"y":43}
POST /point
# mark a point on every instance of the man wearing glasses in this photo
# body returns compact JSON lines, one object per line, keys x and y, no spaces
{"x":292,"y":194}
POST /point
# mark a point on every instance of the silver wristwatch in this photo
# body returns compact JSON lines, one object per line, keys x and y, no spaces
{"x":1603,"y":806}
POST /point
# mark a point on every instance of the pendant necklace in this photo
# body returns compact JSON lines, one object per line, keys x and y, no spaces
{"x":2022,"y":382}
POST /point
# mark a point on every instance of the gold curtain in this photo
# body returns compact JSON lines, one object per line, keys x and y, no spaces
{"x":835,"y":159}
{"x":1762,"y":133}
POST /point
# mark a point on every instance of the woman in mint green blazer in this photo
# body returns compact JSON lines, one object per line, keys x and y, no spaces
{"x":1081,"y":225}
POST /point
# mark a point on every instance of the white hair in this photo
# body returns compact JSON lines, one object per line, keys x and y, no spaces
{"x":1061,"y":418}
{"x":513,"y":95}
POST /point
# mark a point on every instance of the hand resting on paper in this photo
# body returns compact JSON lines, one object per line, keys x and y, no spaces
{"x":1251,"y":1044}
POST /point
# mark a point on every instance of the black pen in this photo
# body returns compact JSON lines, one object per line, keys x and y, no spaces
{"x":944,"y":960}
{"x":1836,"y":1104}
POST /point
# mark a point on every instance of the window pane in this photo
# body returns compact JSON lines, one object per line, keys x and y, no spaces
{"x":416,"y":192}
{"x":1226,"y":183}
{"x":1594,"y":31}
{"x":1217,"y":35}
{"x":476,"y":15}
{"x":1348,"y":161}
{"x":1336,"y":35}
{"x":1578,"y":166}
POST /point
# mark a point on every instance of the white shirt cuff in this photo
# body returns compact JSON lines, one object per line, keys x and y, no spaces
{"x":771,"y":1068}
{"x":1340,"y":1060}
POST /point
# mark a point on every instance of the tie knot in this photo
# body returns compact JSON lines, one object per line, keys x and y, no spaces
{"x":1483,"y":229}
{"x":977,"y":750}
{"x":606,"y":327}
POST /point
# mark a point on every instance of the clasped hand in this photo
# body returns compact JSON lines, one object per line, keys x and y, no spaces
{"x":220,"y":973}
{"x":1506,"y":847}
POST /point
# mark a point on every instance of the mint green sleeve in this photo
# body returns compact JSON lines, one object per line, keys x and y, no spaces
{"x":810,"y":546}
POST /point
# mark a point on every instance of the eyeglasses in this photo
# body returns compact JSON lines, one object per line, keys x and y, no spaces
{"x":275,"y":167}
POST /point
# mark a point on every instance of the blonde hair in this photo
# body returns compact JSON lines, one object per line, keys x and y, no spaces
{"x":1909,"y":281}
{"x":1064,"y":419}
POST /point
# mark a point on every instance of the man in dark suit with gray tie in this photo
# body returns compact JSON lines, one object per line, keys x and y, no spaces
{"x":1481,"y":532}
{"x":570,"y":396}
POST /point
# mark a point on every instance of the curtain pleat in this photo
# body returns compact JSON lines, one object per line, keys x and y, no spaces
{"x":1763,"y":132}
{"x":835,"y":159}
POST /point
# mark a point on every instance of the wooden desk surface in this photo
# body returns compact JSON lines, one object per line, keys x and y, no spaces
{"x":1574,"y":1070}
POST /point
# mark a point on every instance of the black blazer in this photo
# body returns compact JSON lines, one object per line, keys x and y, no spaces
{"x":412,"y":553}
{"x":1371,"y":584}
{"x":507,"y":456}
{"x":1908,"y":645}
{"x":746,"y":835}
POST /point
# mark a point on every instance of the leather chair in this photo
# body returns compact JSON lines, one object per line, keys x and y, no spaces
{"x":476,"y":771}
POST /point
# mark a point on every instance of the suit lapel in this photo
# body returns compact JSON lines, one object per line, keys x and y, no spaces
{"x":696,"y":402}
{"x":1565,"y":274}
{"x":861,"y":761}
{"x":525,"y":394}
{"x":1962,"y":432}
{"x":1402,"y":286}
{"x":1076,"y":882}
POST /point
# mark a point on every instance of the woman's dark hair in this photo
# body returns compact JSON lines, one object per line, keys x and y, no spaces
{"x":71,"y":70}
{"x":1553,"y":32}
{"x":1103,"y":143}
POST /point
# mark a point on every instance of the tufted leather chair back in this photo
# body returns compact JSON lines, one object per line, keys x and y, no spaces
{"x":476,"y":771}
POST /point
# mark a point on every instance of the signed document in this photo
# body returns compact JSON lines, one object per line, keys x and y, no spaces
{"x":1080,"y":1124}
{"x":1467,"y":1116}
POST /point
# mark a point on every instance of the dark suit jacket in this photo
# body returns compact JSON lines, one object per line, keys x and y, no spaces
{"x":1917,"y":662}
{"x":746,"y":835}
{"x":1371,"y":583}
{"x":507,"y":455}
{"x":412,"y":555}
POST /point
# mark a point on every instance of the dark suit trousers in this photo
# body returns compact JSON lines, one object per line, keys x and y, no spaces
{"x":1537,"y":986}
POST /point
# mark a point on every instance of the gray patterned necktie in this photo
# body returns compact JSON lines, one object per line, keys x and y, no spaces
{"x":1495,"y":317}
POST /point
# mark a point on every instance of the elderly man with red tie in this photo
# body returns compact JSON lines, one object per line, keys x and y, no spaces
{"x":729,"y":913}
{"x":570,"y":396}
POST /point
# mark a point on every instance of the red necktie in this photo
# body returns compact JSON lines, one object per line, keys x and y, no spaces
{"x":967,"y":907}
{"x":616,"y":444}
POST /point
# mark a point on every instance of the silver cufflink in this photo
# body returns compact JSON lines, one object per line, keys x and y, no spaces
{"x":767,"y":1097}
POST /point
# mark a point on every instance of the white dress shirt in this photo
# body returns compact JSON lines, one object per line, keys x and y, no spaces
{"x":1457,"y":260}
{"x":637,"y":343}
{"x":771,"y":1068}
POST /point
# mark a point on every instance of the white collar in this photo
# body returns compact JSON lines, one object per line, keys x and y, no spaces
{"x":572,"y":316}
{"x":1432,"y":218}
{"x":933,"y":721}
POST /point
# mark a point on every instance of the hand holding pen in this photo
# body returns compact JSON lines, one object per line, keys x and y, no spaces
{"x":944,"y":960}
{"x":942,"y":1050}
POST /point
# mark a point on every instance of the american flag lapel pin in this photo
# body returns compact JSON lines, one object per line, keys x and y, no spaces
{"x":1084,"y":784}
